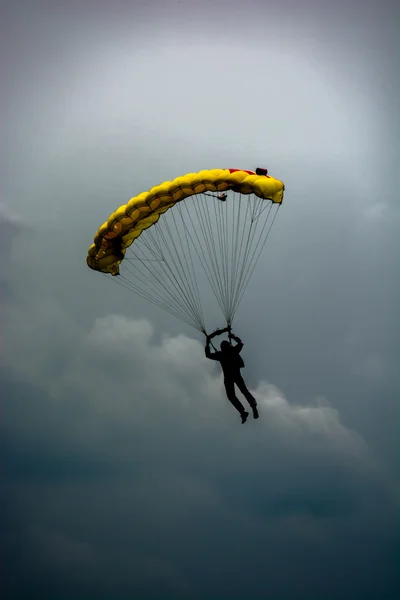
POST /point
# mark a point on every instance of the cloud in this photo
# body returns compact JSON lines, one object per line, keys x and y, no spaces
{"x":10,"y":226}
{"x":130,"y":472}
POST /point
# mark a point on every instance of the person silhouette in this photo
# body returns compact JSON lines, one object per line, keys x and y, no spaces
{"x":231,"y":363}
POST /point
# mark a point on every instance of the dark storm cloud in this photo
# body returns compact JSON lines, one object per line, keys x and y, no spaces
{"x":145,"y":472}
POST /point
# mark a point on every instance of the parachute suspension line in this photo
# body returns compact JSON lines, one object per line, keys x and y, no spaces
{"x":209,"y":267}
{"x":241,"y":236}
{"x":215,"y":249}
{"x":179,"y":274}
{"x":156,"y":297}
{"x":249,"y":241}
{"x":224,"y":238}
{"x":227,"y":256}
{"x":240,"y":251}
{"x":206,"y":268}
{"x":167,"y":278}
{"x":221,"y":219}
{"x":192,"y":272}
{"x":150,"y":248}
{"x":128,"y":285}
{"x":232,"y":254}
{"x":169,"y":302}
{"x":230,"y":257}
{"x":171,"y":276}
{"x":165,"y":287}
{"x":250,"y":270}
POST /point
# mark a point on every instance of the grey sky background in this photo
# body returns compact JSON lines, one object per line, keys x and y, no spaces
{"x":124,"y":469}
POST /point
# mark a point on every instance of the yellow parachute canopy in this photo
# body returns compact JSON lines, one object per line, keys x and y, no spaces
{"x":128,"y":222}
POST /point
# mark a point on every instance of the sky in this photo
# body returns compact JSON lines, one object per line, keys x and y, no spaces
{"x":125,"y":472}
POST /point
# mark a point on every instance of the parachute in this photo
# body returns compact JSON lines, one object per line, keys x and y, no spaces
{"x":200,"y":230}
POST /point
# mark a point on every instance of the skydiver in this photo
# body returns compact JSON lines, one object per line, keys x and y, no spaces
{"x":231,"y":363}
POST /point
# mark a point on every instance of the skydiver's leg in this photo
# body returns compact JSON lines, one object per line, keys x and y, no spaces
{"x":250,"y":399}
{"x":230,"y":392}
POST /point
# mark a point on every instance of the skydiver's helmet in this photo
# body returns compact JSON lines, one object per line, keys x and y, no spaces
{"x":225,"y":346}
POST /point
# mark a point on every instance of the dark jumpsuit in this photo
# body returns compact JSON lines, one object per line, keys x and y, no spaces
{"x":231,"y":363}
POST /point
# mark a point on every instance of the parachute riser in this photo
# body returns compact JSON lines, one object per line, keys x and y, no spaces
{"x":217,"y":332}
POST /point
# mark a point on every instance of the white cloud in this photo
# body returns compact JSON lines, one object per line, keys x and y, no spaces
{"x":376,"y":212}
{"x":169,"y":391}
{"x":8,"y":216}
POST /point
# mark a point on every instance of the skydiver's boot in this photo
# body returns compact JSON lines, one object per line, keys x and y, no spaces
{"x":244,"y":416}
{"x":255,"y":412}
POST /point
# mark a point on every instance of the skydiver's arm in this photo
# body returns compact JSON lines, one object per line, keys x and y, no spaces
{"x":209,"y":354}
{"x":239,"y":343}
